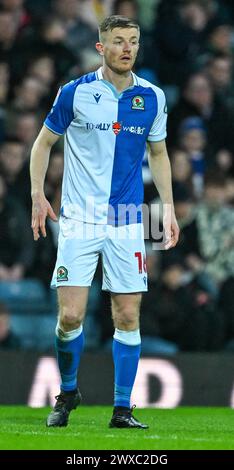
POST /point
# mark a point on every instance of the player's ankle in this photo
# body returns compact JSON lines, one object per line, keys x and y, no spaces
{"x":118,"y":409}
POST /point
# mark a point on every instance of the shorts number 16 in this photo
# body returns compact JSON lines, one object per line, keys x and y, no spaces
{"x":141,"y":261}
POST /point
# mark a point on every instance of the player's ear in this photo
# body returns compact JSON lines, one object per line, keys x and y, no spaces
{"x":99,"y":47}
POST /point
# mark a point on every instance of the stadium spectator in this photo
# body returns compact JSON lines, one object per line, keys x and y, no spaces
{"x":220,"y":73}
{"x":79,"y":33}
{"x":219,"y":36}
{"x":28,"y":95}
{"x":20,"y":14}
{"x":92,"y":12}
{"x":8,"y":339}
{"x":210,"y":257}
{"x":10,"y":41}
{"x":8,"y":32}
{"x":224,"y":162}
{"x":127,"y":8}
{"x":186,"y":313}
{"x":16,"y":244}
{"x":197,"y":99}
{"x":12,"y":158}
{"x":179,"y":34}
{"x":50,"y":40}
{"x":25,"y":127}
{"x":181,"y":169}
{"x":193,"y":141}
{"x":42,"y":68}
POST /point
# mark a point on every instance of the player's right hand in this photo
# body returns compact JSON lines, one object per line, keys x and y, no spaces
{"x":41,"y":208}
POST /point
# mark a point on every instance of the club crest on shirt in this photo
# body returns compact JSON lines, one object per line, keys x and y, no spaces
{"x":62,"y":274}
{"x":138,"y":103}
{"x":116,"y":127}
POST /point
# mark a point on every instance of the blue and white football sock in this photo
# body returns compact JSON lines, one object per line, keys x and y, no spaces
{"x":126,"y":354}
{"x":69,"y":347}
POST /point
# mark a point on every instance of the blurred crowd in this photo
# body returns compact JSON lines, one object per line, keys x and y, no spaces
{"x":188,"y":50}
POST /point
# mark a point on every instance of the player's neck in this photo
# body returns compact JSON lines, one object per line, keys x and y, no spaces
{"x":120,"y":81}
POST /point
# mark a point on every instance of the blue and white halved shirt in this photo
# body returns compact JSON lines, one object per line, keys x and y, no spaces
{"x":105,"y":139}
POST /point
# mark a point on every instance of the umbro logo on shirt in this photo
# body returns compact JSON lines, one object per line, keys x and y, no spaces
{"x":97,"y":97}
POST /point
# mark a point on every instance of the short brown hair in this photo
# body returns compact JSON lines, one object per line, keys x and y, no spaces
{"x":117,"y":21}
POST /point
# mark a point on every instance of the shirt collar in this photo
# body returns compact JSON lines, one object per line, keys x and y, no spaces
{"x":100,"y":76}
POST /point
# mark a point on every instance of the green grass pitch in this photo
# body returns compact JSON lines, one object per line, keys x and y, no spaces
{"x":174,"y":429}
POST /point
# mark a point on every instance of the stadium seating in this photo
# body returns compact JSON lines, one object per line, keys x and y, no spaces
{"x":24,"y":296}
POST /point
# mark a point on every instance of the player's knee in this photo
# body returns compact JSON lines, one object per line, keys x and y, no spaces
{"x":70,"y":319}
{"x":127,"y":319}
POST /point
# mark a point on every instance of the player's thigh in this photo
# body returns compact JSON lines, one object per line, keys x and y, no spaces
{"x":77,"y":255}
{"x":72,"y":302}
{"x":123,"y":257}
{"x":126,"y":310}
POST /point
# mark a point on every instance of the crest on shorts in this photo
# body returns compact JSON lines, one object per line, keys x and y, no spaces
{"x":62,"y":274}
{"x":138,"y":103}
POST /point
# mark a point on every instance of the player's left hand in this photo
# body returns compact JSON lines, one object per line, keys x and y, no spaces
{"x":171,"y":229}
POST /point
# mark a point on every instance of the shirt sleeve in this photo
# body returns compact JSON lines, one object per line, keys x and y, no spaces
{"x":61,"y":113}
{"x":158,"y":130}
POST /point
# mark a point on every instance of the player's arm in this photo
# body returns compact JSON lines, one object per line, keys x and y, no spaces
{"x":41,"y":208}
{"x":161,"y":172}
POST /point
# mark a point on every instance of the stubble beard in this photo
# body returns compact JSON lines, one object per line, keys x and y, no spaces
{"x":118,"y":70}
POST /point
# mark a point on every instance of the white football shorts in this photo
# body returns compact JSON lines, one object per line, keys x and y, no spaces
{"x":122,"y":250}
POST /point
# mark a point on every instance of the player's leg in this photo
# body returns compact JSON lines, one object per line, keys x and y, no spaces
{"x":126,"y":354}
{"x":69,"y":333}
{"x":126,"y":278}
{"x":69,"y":345}
{"x":75,"y":267}
{"x":126,"y":345}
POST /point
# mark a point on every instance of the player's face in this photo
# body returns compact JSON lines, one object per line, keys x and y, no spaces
{"x":120,"y":48}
